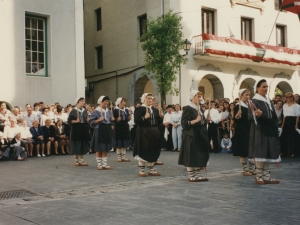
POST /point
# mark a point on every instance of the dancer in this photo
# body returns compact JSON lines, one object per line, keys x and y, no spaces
{"x":122,"y":132}
{"x":194,"y":152}
{"x":264,"y":144}
{"x":241,"y":136}
{"x":102,"y":140}
{"x":147,"y":145}
{"x":79,"y":137}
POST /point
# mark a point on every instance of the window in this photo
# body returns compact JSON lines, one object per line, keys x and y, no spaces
{"x":277,"y":4}
{"x":246,"y":29}
{"x":208,"y":21}
{"x":35,"y":45}
{"x":280,"y":36}
{"x":143,"y":24}
{"x":99,"y":56}
{"x":98,"y":19}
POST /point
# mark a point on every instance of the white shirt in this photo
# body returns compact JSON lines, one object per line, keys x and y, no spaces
{"x":214,"y":115}
{"x":25,"y":133}
{"x":43,"y":119}
{"x":63,"y":117}
{"x":9,"y":132}
{"x":293,"y":110}
{"x":176,"y":117}
{"x":167,"y":118}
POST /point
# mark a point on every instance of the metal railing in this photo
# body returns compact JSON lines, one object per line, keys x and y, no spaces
{"x":198,"y":45}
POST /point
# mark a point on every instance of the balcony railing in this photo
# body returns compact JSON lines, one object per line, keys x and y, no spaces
{"x":208,"y":44}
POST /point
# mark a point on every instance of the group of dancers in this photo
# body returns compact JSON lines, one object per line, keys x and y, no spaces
{"x":256,"y":139}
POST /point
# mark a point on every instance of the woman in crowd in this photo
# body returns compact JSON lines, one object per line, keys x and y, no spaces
{"x":6,"y":113}
{"x":80,"y":138}
{"x":279,"y":112}
{"x":264,"y":144}
{"x":122,"y":132}
{"x":168,"y":128}
{"x":102,"y":141}
{"x":177,"y":128}
{"x":52,"y":113}
{"x":4,"y":148}
{"x":17,"y":151}
{"x":147,"y":144}
{"x":242,"y":130}
{"x":61,"y":115}
{"x":290,"y":136}
{"x":38,"y":137}
{"x":26,"y":138}
{"x":225,"y":118}
{"x":62,"y":137}
{"x":44,"y":116}
{"x":194,"y":153}
{"x":10,"y":130}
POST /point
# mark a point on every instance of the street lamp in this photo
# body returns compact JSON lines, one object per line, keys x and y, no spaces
{"x":186,"y":46}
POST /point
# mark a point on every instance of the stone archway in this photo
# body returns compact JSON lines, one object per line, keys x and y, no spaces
{"x":138,"y":84}
{"x":8,"y":106}
{"x":248,"y":83}
{"x":211,"y":85}
{"x":142,"y":85}
{"x":284,"y":87}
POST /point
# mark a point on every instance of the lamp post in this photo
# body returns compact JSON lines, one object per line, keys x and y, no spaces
{"x":186,"y":47}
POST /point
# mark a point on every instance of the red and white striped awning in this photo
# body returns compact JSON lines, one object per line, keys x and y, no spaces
{"x":229,"y":47}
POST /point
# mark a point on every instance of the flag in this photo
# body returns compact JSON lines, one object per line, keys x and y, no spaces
{"x":291,"y":6}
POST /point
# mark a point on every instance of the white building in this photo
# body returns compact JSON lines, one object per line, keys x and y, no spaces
{"x":42,"y":51}
{"x":228,"y":51}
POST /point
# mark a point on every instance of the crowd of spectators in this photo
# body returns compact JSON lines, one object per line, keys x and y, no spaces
{"x":42,"y":130}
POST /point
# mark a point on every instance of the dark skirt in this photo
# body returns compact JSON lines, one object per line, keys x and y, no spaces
{"x":147,"y":143}
{"x":290,"y":137}
{"x":122,"y":135}
{"x":80,"y":132}
{"x":240,"y":141}
{"x":195,"y":150}
{"x":262,"y":145}
{"x":80,"y":139}
{"x":102,"y":140}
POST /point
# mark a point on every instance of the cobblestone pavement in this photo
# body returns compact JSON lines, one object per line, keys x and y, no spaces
{"x":64,"y":194}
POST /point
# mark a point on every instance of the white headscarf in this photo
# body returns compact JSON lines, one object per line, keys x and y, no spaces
{"x":144,"y":97}
{"x":100,"y":99}
{"x":241,"y":92}
{"x":192,"y":95}
{"x":1,"y":134}
{"x":119,"y":100}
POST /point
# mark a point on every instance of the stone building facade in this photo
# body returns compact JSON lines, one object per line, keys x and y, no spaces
{"x":42,"y":51}
{"x":219,"y":64}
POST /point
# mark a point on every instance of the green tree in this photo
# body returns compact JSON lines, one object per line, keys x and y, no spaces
{"x":162,"y":43}
{"x":278,"y":92}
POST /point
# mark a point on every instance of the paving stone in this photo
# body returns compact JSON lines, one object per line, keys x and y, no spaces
{"x":84,"y":195}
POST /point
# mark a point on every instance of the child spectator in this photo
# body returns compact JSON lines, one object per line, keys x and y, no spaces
{"x":226,"y":144}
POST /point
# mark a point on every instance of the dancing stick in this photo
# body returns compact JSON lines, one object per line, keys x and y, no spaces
{"x":78,"y":112}
{"x":240,"y":107}
{"x":111,"y":107}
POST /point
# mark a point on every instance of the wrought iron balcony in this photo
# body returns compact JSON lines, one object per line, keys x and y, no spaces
{"x":227,"y":47}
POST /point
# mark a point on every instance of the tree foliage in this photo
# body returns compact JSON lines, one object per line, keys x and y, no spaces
{"x":278,"y":92}
{"x":162,"y":43}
